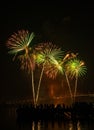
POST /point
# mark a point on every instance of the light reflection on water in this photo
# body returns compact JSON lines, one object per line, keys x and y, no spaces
{"x":55,"y":126}
{"x":8,"y":121}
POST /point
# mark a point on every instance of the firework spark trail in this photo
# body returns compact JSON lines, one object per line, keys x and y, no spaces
{"x":68,"y":57}
{"x":63,"y":66}
{"x":59,"y":67}
{"x":75,"y":68}
{"x":20,"y":42}
{"x":46,"y":56}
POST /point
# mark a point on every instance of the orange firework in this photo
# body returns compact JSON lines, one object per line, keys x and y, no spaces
{"x":19,"y":43}
{"x":47,"y":55}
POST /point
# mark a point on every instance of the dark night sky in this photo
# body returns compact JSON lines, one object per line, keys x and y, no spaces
{"x":68,"y":25}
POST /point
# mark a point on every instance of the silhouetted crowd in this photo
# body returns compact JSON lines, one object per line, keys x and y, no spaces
{"x":51,"y":112}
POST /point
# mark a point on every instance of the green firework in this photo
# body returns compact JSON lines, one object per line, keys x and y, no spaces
{"x":20,"y":42}
{"x":47,"y":55}
{"x":75,"y":68}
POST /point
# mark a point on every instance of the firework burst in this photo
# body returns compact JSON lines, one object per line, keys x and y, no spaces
{"x":75,"y":68}
{"x":20,"y":43}
{"x":47,"y":52}
{"x":47,"y":55}
{"x":58,"y":66}
{"x":50,"y":55}
{"x":53,"y":69}
{"x":26,"y":64}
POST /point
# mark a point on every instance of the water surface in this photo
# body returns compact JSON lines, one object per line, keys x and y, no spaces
{"x":8,"y":120}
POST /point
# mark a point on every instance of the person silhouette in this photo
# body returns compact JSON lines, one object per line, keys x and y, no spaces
{"x":78,"y":126}
{"x":70,"y":126}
